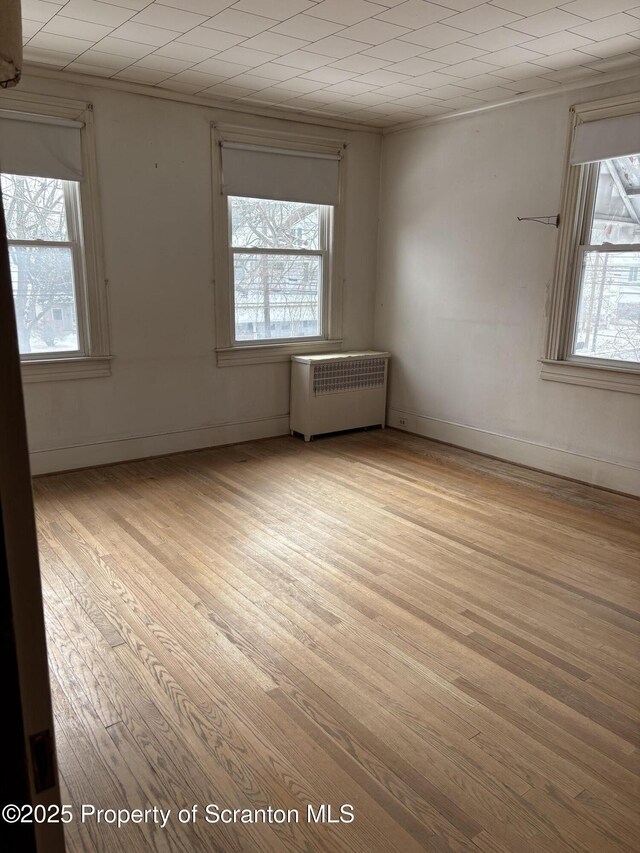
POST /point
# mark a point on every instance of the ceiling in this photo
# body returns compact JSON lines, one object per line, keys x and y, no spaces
{"x":379,"y":63}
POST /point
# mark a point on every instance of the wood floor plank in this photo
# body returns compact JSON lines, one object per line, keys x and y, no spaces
{"x":446,"y":641}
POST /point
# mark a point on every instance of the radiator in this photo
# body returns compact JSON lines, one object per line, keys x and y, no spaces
{"x":330,"y":393}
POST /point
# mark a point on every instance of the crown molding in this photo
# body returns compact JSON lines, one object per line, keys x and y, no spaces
{"x":31,"y":71}
{"x":601,"y":80}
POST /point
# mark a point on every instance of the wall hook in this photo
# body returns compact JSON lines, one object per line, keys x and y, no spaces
{"x":545,"y":220}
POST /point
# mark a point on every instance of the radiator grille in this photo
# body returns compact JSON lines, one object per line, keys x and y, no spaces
{"x":348,"y":375}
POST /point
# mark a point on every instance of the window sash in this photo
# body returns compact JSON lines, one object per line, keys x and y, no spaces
{"x":325,"y":223}
{"x":74,"y":243}
{"x":585,"y":213}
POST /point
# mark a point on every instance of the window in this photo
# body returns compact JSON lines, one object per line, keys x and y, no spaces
{"x":594,"y":332}
{"x":607,"y":322}
{"x":277,"y":218}
{"x":279,"y":261}
{"x":47,"y":181}
{"x":45,"y":258}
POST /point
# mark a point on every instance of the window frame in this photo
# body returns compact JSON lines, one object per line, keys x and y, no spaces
{"x":325,"y":228}
{"x":229,"y":351}
{"x":92,"y":359}
{"x":559,"y":362}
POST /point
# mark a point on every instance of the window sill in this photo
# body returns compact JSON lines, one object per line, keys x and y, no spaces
{"x":270,"y":353}
{"x":626,"y":379}
{"x":53,"y":369}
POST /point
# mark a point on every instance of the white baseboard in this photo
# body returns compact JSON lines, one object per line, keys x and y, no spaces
{"x":597,"y":472}
{"x":140,"y":446}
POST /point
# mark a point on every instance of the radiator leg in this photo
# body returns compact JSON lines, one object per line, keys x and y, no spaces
{"x":307,"y":438}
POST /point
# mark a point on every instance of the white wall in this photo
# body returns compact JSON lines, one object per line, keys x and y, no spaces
{"x":165,"y":392}
{"x":462,"y":292}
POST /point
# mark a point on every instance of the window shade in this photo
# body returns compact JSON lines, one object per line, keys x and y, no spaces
{"x":279,"y":173}
{"x":43,"y":146}
{"x":605,"y":139}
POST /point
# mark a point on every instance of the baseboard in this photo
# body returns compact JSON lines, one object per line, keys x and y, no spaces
{"x":48,"y":461}
{"x":596,"y":472}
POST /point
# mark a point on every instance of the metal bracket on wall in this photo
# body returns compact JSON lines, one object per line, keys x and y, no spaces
{"x":544,"y":220}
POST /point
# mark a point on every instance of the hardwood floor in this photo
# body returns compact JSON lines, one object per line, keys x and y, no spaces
{"x":444,"y":641}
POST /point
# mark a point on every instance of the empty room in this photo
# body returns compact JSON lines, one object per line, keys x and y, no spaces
{"x":320,"y":426}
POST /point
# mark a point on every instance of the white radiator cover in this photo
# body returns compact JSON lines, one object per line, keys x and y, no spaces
{"x":338,"y":391}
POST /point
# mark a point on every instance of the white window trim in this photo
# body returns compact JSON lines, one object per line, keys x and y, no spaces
{"x":229,"y":352}
{"x":93,"y":323}
{"x":558,"y":363}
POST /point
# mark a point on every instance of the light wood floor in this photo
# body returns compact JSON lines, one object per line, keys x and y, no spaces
{"x":447,"y":642}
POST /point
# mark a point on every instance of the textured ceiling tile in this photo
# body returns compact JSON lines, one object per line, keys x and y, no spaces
{"x":432,"y":79}
{"x":304,"y":60}
{"x":345,"y":13}
{"x":212,"y":39}
{"x":511,"y":56}
{"x":416,"y":14}
{"x":546,"y":23}
{"x":36,"y":10}
{"x":416,"y":66}
{"x":446,"y":92}
{"x":565,"y":59}
{"x":453,"y":53}
{"x":394,"y":50}
{"x":105,"y":60}
{"x":141,"y":75}
{"x":336,"y":47}
{"x":274,"y":43}
{"x":240,"y":23}
{"x":273,"y":71}
{"x":278,"y":9}
{"x":144,"y":34}
{"x":482,"y":18}
{"x":243,"y":56}
{"x":570,"y":75}
{"x":435,"y":35}
{"x":556,"y":43}
{"x":328,"y":75}
{"x":594,"y":9}
{"x":201,"y":7}
{"x":64,"y":44}
{"x":497,"y":39}
{"x":76,"y":29}
{"x":96,"y":13}
{"x":373,"y":31}
{"x":525,"y":7}
{"x":497,"y":93}
{"x":188,"y":52}
{"x":305,"y":27}
{"x":360,"y":64}
{"x":382,"y":77}
{"x":162,"y":63}
{"x":123,"y":48}
{"x":529,"y":84}
{"x":471,"y":68}
{"x":611,"y":47}
{"x":171,"y":19}
{"x":604,"y":28}
{"x":521,"y":71}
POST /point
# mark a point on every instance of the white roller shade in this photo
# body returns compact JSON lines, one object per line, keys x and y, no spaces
{"x":605,"y":139}
{"x":279,"y":173}
{"x":44,"y":146}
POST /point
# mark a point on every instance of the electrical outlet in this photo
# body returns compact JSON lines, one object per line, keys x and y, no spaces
{"x":402,"y":421}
